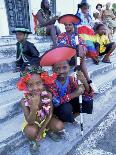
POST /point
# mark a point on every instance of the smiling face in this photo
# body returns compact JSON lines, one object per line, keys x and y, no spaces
{"x":62,"y":70}
{"x":69,"y":27}
{"x":35,"y":84}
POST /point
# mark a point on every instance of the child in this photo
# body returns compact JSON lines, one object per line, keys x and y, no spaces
{"x":37,"y":107}
{"x":27,"y":54}
{"x":65,"y":92}
{"x":102,"y":43}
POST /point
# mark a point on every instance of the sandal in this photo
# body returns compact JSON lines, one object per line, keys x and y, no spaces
{"x":96,"y":61}
{"x":106,"y":61}
{"x":34,"y":147}
{"x":55,"y":136}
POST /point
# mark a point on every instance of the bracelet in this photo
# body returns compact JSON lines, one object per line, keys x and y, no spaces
{"x":68,"y":97}
{"x":90,"y":81}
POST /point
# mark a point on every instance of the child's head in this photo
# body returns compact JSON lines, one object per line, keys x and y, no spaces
{"x":62,"y":70}
{"x":96,"y":15}
{"x":21,"y":33}
{"x":35,"y":84}
{"x":31,"y":81}
{"x":100,"y":29}
{"x":99,"y":7}
{"x":21,"y":36}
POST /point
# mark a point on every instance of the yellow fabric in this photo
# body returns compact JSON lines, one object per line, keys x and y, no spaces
{"x":39,"y":125}
{"x":102,"y":40}
{"x":87,"y":37}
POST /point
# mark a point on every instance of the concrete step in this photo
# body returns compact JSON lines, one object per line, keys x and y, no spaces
{"x":7,"y":51}
{"x":10,"y":104}
{"x":7,"y":64}
{"x":8,"y":81}
{"x":8,"y":47}
{"x":13,"y":138}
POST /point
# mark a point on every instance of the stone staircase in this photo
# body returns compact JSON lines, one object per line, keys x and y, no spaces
{"x":11,"y":117}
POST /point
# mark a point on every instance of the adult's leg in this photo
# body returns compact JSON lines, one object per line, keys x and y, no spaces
{"x":64,"y":112}
{"x":82,"y":54}
{"x":51,"y":30}
{"x":109,"y":49}
{"x":95,"y":59}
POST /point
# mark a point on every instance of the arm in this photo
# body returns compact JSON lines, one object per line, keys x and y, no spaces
{"x":44,"y":125}
{"x":42,"y":23}
{"x":34,"y":50}
{"x":30,"y":115}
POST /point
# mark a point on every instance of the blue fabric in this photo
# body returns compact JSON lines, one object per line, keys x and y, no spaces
{"x":62,"y":92}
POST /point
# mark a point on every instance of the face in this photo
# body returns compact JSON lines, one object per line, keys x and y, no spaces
{"x":99,"y":8}
{"x":35,"y":84}
{"x":85,"y":9}
{"x":46,"y":4}
{"x":69,"y":27}
{"x":62,"y":70}
{"x":20,"y":36}
{"x":102,"y":30}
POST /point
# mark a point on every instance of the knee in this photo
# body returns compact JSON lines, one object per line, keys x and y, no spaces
{"x":31,"y":131}
{"x":59,"y":126}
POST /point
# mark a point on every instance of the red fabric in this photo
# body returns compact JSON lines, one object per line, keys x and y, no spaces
{"x":35,"y":21}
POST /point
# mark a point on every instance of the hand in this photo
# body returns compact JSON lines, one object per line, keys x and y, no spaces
{"x":78,"y":92}
{"x":34,"y":101}
{"x":81,"y":76}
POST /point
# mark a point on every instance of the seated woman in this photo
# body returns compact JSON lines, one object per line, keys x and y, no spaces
{"x":37,"y":108}
{"x":109,"y":19}
{"x":46,"y":22}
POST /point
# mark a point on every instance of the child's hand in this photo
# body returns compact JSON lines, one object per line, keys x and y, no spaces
{"x":34,"y":102}
{"x":81,"y":76}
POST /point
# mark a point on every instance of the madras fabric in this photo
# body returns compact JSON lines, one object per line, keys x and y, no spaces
{"x":64,"y":39}
{"x":71,"y":86}
{"x":102,"y":40}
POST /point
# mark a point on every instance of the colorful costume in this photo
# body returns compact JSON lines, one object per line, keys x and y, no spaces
{"x":42,"y":30}
{"x":27,"y":54}
{"x":65,"y":39}
{"x":62,"y":101}
{"x":41,"y":114}
{"x":102,"y":43}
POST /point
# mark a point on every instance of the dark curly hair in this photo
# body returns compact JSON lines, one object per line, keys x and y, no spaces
{"x":43,"y":7}
{"x":98,"y":26}
{"x":98,"y":5}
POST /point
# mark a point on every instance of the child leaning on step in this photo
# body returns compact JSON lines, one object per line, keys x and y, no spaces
{"x":65,"y":93}
{"x":37,"y":106}
{"x":103,"y":44}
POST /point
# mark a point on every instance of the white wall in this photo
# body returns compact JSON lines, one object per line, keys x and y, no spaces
{"x":4,"y":30}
